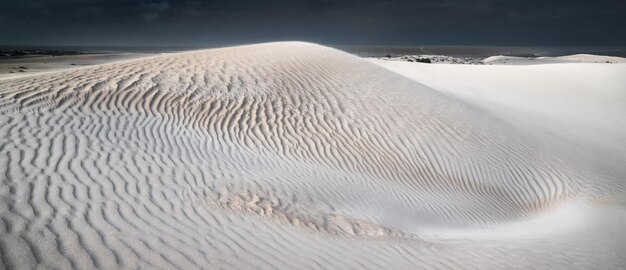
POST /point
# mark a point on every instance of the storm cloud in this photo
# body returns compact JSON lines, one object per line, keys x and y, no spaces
{"x":419,"y":22}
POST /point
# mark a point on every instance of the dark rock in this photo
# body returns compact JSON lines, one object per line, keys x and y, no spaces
{"x":16,"y":53}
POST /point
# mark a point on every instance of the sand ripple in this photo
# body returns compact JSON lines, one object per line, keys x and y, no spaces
{"x":266,"y":156}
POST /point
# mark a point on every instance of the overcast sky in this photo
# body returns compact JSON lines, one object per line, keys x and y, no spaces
{"x":356,"y":22}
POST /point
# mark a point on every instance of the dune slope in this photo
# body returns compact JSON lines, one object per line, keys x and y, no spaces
{"x":275,"y":156}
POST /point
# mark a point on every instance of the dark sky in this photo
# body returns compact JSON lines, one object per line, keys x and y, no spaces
{"x":356,"y":22}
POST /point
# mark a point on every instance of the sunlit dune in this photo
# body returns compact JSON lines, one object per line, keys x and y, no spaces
{"x":295,"y":155}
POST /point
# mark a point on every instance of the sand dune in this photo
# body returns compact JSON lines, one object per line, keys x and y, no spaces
{"x":580,"y":106}
{"x":285,"y":155}
{"x":33,"y":65}
{"x":576,"y":58}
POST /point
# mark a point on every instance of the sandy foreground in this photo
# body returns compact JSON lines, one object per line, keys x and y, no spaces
{"x":35,"y":65}
{"x":294,"y":155}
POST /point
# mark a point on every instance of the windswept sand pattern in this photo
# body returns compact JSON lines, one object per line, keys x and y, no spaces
{"x":267,"y":156}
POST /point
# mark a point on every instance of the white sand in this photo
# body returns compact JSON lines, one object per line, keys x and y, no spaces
{"x":35,"y":65}
{"x":576,"y":58}
{"x":293,"y":155}
{"x":580,"y":104}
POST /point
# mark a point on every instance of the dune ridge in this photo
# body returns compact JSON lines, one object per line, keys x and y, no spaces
{"x":267,"y":156}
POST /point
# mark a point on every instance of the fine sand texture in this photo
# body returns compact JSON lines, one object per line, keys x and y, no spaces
{"x":37,"y":64}
{"x":297,"y":156}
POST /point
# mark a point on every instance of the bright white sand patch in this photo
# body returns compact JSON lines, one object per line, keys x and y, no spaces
{"x":577,"y":58}
{"x":578,"y":103}
{"x":287,"y":155}
{"x":563,"y":221}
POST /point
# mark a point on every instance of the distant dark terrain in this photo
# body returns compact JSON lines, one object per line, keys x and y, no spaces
{"x":29,"y":59}
{"x":360,"y":50}
{"x":479,"y":51}
{"x":17,"y":53}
